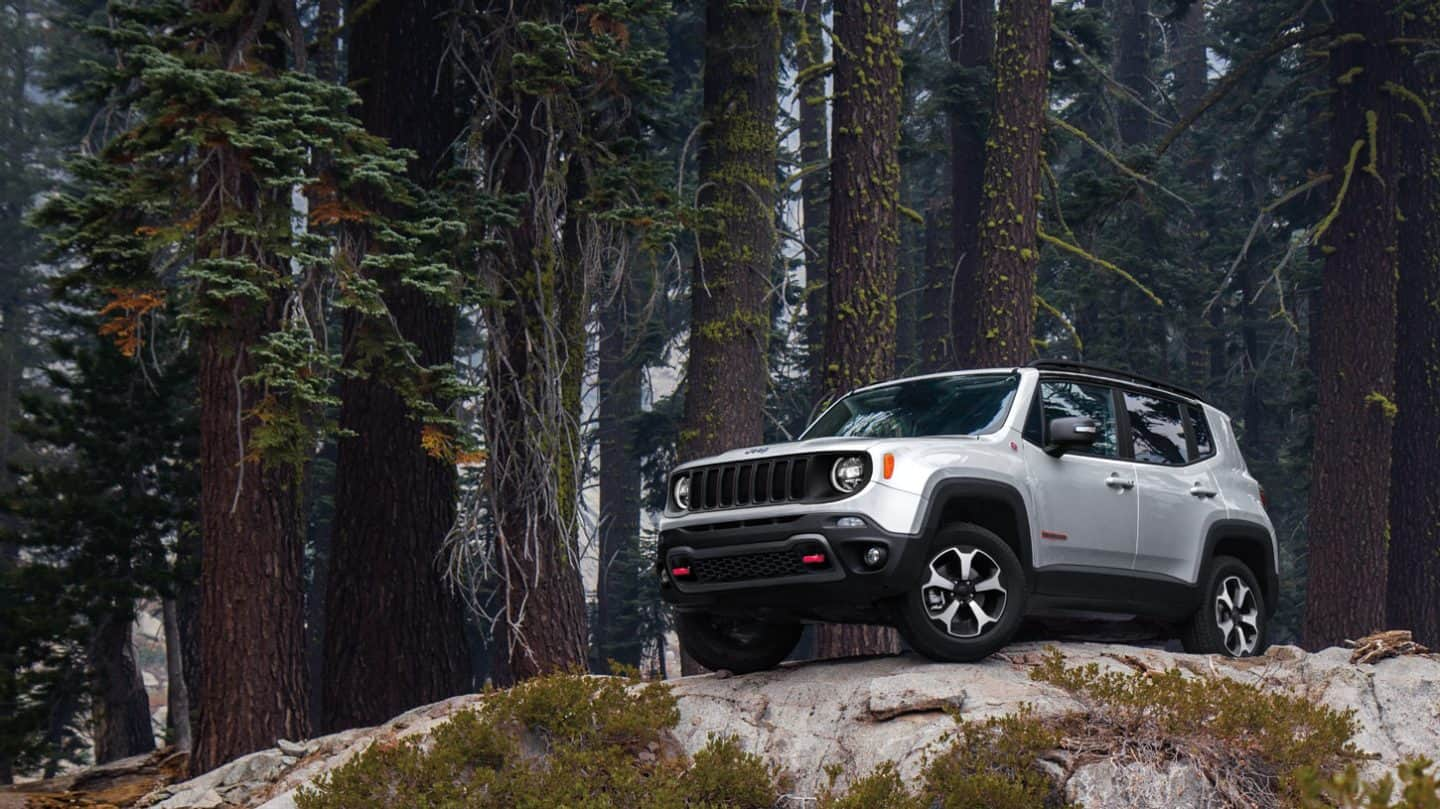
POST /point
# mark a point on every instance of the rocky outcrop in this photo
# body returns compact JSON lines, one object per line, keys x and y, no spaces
{"x":859,"y":713}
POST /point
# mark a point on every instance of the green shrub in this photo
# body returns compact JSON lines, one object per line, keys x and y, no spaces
{"x":995,"y":765}
{"x":562,"y":741}
{"x":1419,"y":786}
{"x":881,"y":789}
{"x":1260,"y":739}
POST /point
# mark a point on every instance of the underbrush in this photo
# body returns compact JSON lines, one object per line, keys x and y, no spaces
{"x":1254,"y":745}
{"x":585,"y":742}
{"x":566,"y":740}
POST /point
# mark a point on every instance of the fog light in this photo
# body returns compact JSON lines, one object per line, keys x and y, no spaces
{"x":849,"y":522}
{"x":874,"y":556}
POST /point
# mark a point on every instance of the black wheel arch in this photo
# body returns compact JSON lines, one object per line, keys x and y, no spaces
{"x":990,"y":504}
{"x":1252,"y":544}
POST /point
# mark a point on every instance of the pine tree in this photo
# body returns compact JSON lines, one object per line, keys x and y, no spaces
{"x":729,"y":322}
{"x":195,"y":197}
{"x":1413,"y":590}
{"x":1354,"y":336}
{"x":394,"y":630}
{"x":620,"y":380}
{"x":864,"y":232}
{"x":97,"y":511}
{"x":971,"y":25}
{"x":812,"y":70}
{"x":1000,"y":305}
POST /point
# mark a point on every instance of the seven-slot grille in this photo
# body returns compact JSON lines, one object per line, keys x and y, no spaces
{"x":748,"y":483}
{"x":749,"y":566}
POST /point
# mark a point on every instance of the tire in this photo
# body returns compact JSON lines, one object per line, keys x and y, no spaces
{"x":962,"y":638}
{"x":738,"y":645}
{"x":1231,"y":619}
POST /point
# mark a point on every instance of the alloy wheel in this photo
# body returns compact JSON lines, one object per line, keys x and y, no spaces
{"x":964,"y":594}
{"x":1237,"y":614}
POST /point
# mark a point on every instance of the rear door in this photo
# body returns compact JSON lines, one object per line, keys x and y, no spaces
{"x":1085,"y":500}
{"x":1174,"y":453}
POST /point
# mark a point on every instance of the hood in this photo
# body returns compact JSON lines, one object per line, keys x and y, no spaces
{"x":849,"y":444}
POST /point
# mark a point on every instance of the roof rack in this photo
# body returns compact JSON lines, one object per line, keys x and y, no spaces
{"x":1114,"y":373}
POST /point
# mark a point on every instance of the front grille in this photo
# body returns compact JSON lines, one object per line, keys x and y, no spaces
{"x":748,"y":483}
{"x":748,"y":567}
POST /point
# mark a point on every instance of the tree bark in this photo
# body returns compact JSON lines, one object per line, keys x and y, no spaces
{"x":1414,"y":559}
{"x":177,"y":695}
{"x":810,"y":52}
{"x":394,"y":635}
{"x":865,"y":233}
{"x":932,"y":329}
{"x":972,"y":43}
{"x":1354,"y":342}
{"x":252,"y":595}
{"x":1132,"y":69}
{"x":1000,"y":304}
{"x":729,"y":322}
{"x":119,"y":706}
{"x":252,"y":640}
{"x":616,"y":636}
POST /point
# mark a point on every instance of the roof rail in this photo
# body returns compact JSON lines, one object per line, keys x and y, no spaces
{"x":1114,"y":373}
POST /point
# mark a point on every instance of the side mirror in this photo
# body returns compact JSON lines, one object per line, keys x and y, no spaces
{"x":1072,"y":432}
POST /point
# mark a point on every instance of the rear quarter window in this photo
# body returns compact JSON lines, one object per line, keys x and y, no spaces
{"x":1204,"y":438}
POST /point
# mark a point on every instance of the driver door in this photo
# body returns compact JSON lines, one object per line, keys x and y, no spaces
{"x":1086,"y":501}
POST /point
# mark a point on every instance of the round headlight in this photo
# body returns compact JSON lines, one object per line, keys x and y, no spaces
{"x":848,"y":474}
{"x":682,"y":492}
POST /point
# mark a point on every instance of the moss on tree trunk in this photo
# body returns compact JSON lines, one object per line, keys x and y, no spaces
{"x":1000,"y":307}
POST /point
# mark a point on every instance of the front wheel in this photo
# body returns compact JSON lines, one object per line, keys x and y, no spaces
{"x":1231,"y":618}
{"x":740,"y":645}
{"x":970,"y":599}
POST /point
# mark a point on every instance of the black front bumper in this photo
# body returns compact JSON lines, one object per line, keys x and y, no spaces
{"x":753,"y":567}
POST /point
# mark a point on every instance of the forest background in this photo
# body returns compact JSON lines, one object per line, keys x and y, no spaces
{"x":346,"y":344}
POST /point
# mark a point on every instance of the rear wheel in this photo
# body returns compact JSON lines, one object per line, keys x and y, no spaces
{"x":1231,"y":618}
{"x":970,"y":600}
{"x":740,"y":645}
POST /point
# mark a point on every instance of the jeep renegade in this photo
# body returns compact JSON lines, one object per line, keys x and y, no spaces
{"x":950,"y":506}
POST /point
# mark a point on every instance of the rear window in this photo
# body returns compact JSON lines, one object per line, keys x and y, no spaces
{"x":1204,"y":439}
{"x":948,"y":405}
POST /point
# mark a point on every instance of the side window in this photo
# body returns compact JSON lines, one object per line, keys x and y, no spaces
{"x":1204,"y":441}
{"x":1157,"y":429}
{"x":1063,"y":399}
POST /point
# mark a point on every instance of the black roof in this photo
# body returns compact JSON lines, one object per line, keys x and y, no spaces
{"x":1113,"y":373}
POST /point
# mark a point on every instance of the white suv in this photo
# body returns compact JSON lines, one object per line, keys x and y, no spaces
{"x":952,"y":505}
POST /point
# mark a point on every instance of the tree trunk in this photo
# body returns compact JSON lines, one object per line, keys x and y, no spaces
{"x":252,"y":639}
{"x":865,"y":233}
{"x":533,"y":366}
{"x":1000,"y":304}
{"x":1414,"y":575}
{"x":972,"y":43}
{"x":252,"y":594}
{"x":932,"y":330}
{"x":729,"y":323}
{"x":615,"y":632}
{"x":394,"y":635}
{"x":1354,"y":343}
{"x":177,"y":696}
{"x":119,"y":706}
{"x":815,"y":186}
{"x":9,"y":557}
{"x":1132,"y":69}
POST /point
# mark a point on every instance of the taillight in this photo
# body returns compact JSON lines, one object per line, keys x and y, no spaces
{"x":1264,"y":499}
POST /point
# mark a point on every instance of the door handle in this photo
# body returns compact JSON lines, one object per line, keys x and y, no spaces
{"x":1117,"y":482}
{"x":1201,"y":490}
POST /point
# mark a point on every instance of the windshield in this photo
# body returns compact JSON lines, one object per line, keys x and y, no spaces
{"x":945,"y":405}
